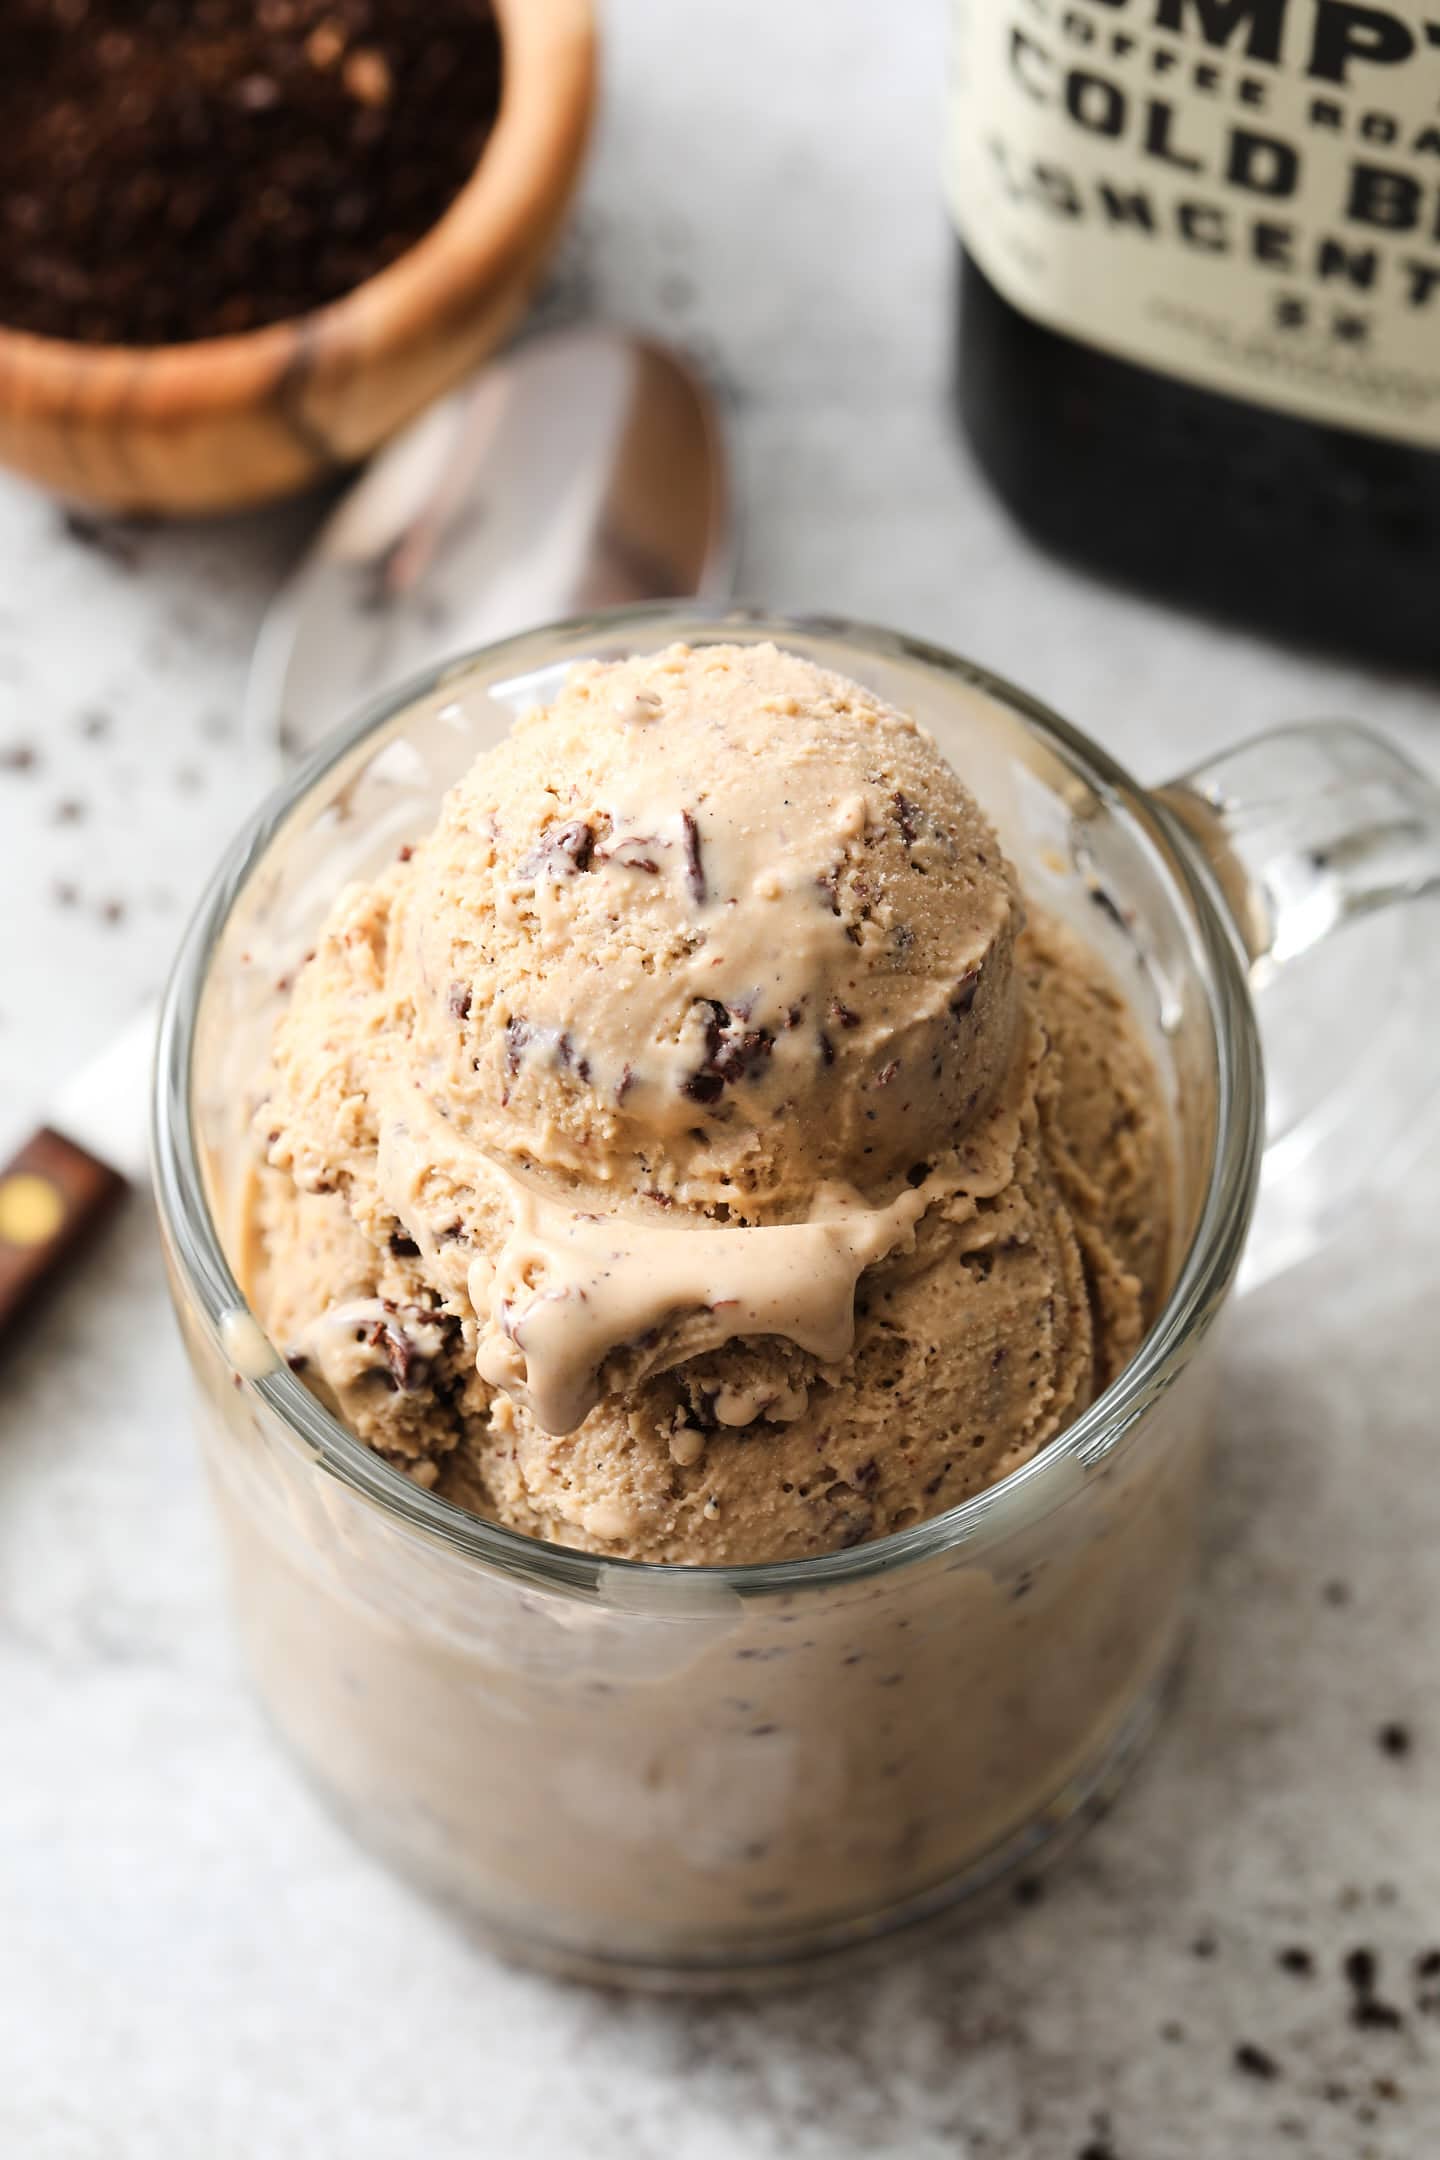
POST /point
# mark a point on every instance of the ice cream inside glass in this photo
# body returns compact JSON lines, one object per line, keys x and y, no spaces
{"x":689,"y":1150}
{"x":699,"y":1163}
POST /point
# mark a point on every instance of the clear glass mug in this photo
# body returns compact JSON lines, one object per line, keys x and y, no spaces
{"x":693,"y":1776}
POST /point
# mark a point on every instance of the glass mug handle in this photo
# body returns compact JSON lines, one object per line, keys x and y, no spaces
{"x":1305,"y":831}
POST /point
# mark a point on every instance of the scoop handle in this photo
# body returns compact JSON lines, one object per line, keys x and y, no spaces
{"x":1303,"y":832}
{"x":53,"y":1196}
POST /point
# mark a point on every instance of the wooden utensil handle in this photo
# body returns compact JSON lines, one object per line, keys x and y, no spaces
{"x":52,"y":1198}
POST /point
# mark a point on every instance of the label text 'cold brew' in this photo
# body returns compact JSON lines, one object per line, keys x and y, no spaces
{"x":1241,"y":193}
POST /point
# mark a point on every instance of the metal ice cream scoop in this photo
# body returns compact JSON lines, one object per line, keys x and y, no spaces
{"x":584,"y":470}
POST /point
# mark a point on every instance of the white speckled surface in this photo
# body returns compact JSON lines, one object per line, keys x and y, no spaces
{"x":192,"y":1961}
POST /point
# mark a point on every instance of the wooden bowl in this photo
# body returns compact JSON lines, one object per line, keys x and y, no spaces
{"x":231,"y":421}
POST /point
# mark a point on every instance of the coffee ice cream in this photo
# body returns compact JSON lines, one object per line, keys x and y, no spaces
{"x":690,"y":1151}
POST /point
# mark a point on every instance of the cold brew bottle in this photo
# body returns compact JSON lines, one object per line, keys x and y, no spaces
{"x":1200,"y":297}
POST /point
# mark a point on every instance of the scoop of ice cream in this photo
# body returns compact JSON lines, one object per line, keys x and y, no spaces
{"x":975,"y":1344}
{"x":716,"y":927}
{"x":685,"y":1153}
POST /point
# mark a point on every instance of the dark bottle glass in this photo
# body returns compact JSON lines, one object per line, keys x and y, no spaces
{"x":1317,"y":532}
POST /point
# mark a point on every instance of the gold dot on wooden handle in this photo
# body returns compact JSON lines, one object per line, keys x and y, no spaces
{"x":31,"y":1209}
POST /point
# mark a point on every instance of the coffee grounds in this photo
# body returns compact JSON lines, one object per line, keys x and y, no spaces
{"x":181,"y":169}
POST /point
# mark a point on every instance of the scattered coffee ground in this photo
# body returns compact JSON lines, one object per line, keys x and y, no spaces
{"x":1255,"y":2062}
{"x":171,"y":171}
{"x":1394,"y":1739}
{"x":1296,"y":1960}
{"x":1367,"y":2011}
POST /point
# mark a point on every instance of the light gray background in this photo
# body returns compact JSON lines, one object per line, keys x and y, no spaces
{"x":192,"y":1960}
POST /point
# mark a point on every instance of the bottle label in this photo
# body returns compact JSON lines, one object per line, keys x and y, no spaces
{"x":1241,"y":193}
